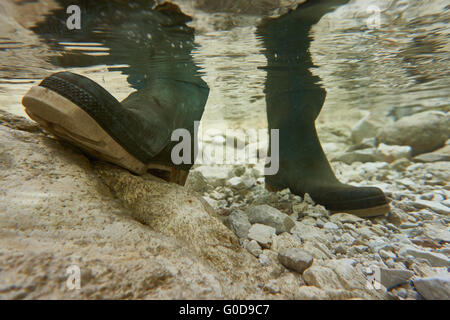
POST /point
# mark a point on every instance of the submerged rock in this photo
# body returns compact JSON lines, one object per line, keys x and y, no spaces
{"x":261,"y":233}
{"x":133,"y":237}
{"x":295,"y":259}
{"x":424,"y":131}
{"x":270,"y":216}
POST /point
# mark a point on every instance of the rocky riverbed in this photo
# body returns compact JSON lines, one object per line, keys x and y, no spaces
{"x":222,"y":236}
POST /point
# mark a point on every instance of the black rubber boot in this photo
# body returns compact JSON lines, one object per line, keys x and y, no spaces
{"x":136,"y":133}
{"x":294,"y":99}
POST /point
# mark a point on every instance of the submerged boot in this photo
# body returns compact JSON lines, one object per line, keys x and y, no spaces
{"x":134,"y":134}
{"x":294,"y":99}
{"x":155,"y":44}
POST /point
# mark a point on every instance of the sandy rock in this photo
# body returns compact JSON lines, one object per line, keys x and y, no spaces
{"x":435,"y":288}
{"x":55,"y":213}
{"x":424,"y":132}
{"x":267,"y":215}
{"x":363,"y":155}
{"x":295,"y":259}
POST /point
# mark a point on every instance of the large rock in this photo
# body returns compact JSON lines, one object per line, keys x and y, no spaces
{"x":424,"y":132}
{"x":136,"y":238}
{"x":270,"y":216}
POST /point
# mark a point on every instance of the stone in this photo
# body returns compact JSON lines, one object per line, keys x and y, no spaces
{"x":388,"y":153}
{"x":364,"y":128}
{"x":330,"y":226}
{"x":285,"y":241}
{"x":435,"y":259}
{"x":197,"y":182}
{"x":236,"y":183}
{"x":345,"y":218}
{"x":424,"y":131}
{"x":434,"y":288}
{"x":267,"y":215}
{"x":434,"y":206}
{"x":362,"y":155}
{"x":254,"y":248}
{"x":214,"y":175}
{"x":442,"y":154}
{"x":339,"y":275}
{"x":238,"y":222}
{"x":295,"y":259}
{"x":261,"y":233}
{"x":133,"y":237}
{"x":392,"y":277}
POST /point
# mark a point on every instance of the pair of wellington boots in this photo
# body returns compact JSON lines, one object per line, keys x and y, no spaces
{"x":135,"y":134}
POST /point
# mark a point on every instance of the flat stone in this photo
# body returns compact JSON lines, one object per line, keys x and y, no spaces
{"x":435,"y":259}
{"x":363,"y":155}
{"x":434,"y":206}
{"x":442,"y":154}
{"x":267,"y":215}
{"x":262,"y":233}
{"x":434,"y":288}
{"x":238,"y":222}
{"x":295,"y":259}
{"x":345,"y":218}
{"x":393,"y":277}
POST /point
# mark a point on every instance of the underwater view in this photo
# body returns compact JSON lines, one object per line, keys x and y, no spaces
{"x":225,"y":150}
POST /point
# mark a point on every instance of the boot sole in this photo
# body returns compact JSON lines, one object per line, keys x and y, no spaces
{"x":363,"y":213}
{"x":66,"y":120}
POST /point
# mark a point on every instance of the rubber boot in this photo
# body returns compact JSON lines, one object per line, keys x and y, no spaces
{"x":136,"y":133}
{"x":294,"y":99}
